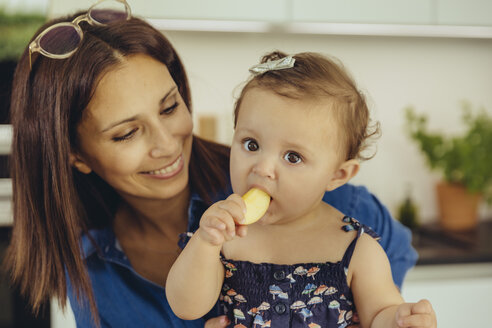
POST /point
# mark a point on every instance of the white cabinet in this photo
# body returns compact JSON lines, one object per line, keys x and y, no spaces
{"x":250,"y":10}
{"x":459,"y":12}
{"x":363,"y":11}
{"x":417,"y":18}
{"x":255,"y":10}
{"x":420,"y":12}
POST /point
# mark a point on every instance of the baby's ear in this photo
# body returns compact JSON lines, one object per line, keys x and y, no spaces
{"x":346,"y":171}
{"x":77,"y":162}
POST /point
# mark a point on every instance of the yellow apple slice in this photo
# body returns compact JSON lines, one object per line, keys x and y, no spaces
{"x":257,"y":202}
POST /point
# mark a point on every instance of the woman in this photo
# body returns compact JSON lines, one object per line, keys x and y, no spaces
{"x":107,"y":173}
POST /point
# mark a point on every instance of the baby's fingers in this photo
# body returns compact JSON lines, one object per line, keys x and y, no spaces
{"x":404,"y":310}
{"x":241,"y":230}
{"x":420,"y":314}
{"x":215,"y":223}
{"x":226,"y":217}
{"x":417,"y":321}
{"x":235,"y":205}
{"x":213,"y":236}
{"x":422,"y":306}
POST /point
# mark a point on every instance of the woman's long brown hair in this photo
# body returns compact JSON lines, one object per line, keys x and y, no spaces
{"x":53,"y":204}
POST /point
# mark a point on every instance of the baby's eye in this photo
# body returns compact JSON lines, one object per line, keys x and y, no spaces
{"x":293,"y":158}
{"x":250,"y":145}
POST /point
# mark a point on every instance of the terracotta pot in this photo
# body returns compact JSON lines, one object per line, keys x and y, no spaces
{"x":458,"y":208}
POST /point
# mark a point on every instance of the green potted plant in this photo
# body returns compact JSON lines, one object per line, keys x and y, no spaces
{"x":465,"y":162}
{"x":15,"y":31}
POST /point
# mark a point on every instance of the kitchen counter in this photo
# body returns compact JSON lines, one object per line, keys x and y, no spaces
{"x":437,"y":246}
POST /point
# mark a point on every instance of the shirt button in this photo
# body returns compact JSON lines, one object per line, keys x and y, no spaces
{"x":280,"y":308}
{"x":279,"y":275}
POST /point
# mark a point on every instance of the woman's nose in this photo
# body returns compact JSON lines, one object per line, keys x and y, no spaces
{"x":265,"y":167}
{"x":162,"y":143}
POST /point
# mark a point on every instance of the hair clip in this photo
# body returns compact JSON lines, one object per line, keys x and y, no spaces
{"x":273,"y":65}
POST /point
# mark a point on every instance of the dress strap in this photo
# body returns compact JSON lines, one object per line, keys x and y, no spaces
{"x":353,"y":224}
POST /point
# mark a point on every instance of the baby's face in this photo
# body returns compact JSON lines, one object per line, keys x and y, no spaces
{"x":286,"y":147}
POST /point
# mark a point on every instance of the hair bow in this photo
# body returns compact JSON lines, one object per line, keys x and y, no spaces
{"x":273,"y":65}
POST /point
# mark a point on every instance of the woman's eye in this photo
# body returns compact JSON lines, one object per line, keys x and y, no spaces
{"x":170,"y":109}
{"x":293,"y":158}
{"x":251,"y":145}
{"x":127,"y":136}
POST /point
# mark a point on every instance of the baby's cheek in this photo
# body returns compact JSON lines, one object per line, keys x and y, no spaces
{"x":239,"y":175}
{"x":297,"y":199}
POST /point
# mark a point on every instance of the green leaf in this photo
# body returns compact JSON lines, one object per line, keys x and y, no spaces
{"x":463,"y":159}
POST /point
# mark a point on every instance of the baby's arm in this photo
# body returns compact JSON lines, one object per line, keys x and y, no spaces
{"x":195,"y":279}
{"x":378,"y":301}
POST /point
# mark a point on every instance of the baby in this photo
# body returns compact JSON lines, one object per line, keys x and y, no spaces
{"x":301,"y":126}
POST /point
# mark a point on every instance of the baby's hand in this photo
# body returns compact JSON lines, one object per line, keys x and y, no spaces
{"x":418,"y":315}
{"x":218,"y":223}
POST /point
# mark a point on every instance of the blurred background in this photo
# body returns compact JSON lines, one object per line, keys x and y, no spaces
{"x":432,"y":55}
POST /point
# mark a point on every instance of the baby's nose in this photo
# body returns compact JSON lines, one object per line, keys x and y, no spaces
{"x":265,"y":168}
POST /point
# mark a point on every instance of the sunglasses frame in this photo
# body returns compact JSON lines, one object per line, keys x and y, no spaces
{"x":35,"y":46}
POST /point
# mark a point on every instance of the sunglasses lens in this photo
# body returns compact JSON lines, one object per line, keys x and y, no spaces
{"x":109,"y":11}
{"x":60,"y":40}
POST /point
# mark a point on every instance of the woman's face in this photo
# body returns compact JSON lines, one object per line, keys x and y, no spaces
{"x":136,"y":133}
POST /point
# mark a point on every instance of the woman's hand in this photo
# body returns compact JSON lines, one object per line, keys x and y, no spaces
{"x":418,"y":315}
{"x":218,"y":322}
{"x":221,"y":221}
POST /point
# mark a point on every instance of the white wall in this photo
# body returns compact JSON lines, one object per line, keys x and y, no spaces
{"x":433,"y":74}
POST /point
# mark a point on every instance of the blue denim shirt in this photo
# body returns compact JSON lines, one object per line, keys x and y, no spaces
{"x":126,"y":299}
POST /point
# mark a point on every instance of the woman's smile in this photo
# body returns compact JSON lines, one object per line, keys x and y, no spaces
{"x":167,"y":171}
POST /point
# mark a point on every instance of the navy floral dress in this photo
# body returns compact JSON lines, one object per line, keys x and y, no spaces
{"x":300,"y":295}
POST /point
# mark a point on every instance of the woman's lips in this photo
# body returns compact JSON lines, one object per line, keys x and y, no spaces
{"x":169,"y":170}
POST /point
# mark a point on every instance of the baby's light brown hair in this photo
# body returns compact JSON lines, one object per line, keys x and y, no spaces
{"x":318,"y":77}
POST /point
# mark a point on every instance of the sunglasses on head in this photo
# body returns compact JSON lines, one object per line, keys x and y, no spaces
{"x":61,"y":40}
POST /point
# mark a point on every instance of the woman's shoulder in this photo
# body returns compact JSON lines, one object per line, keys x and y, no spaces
{"x":348,"y":197}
